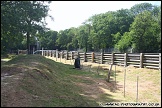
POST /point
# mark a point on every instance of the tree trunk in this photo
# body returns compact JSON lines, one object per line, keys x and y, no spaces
{"x":86,"y":47}
{"x":28,"y":47}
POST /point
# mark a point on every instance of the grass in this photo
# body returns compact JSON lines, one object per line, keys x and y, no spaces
{"x":47,"y":80}
{"x":41,"y":82}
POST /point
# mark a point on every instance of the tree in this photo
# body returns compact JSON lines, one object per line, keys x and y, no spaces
{"x":124,"y":43}
{"x":62,"y":39}
{"x":144,"y":31}
{"x":10,"y":34}
{"x":28,"y":19}
{"x":48,"y":39}
{"x":121,"y":21}
{"x":83,"y":37}
{"x":139,"y":8}
{"x":116,"y":37}
{"x":73,"y":40}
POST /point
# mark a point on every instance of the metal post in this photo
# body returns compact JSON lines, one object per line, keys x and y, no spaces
{"x":137,"y":90}
{"x":115,"y":77}
{"x":124,"y":80}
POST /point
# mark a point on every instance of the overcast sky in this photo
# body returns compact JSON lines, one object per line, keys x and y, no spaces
{"x":73,"y":13}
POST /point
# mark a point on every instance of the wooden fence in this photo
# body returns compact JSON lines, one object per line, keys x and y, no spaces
{"x":22,"y":51}
{"x":141,"y":60}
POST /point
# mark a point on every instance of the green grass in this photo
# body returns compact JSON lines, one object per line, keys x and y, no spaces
{"x":46,"y":83}
{"x":51,"y":82}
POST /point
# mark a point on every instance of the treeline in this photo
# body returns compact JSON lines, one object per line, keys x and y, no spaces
{"x":138,"y":28}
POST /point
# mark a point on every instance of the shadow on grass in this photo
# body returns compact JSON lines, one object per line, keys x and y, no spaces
{"x":53,"y":84}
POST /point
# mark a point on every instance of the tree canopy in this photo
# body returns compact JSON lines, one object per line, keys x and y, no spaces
{"x":21,"y":19}
{"x":138,"y":28}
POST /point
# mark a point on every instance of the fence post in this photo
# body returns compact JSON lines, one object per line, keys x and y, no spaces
{"x":66,"y":55}
{"x":112,"y":58}
{"x":159,"y":61}
{"x":56,"y":54}
{"x":141,"y":60}
{"x":18,"y":51}
{"x":51,"y":53}
{"x":71,"y":55}
{"x":92,"y":57}
{"x":42,"y":51}
{"x":102,"y":58}
{"x":84,"y":56}
{"x":125,"y":59}
{"x":61,"y":55}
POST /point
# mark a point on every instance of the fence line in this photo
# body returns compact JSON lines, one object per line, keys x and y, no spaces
{"x":141,"y":60}
{"x":22,"y":51}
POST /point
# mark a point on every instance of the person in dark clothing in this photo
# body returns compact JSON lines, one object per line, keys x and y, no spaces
{"x":77,"y":63}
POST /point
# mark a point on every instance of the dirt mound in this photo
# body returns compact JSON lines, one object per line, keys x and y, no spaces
{"x":11,"y":94}
{"x":15,"y":84}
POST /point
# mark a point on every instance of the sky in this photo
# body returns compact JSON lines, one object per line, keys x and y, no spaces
{"x":69,"y":14}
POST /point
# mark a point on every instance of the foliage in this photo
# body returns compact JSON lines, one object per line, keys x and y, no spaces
{"x":138,"y":28}
{"x":19,"y":18}
{"x":145,"y":31}
{"x":124,"y":43}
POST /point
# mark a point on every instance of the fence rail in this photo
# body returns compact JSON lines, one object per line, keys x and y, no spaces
{"x":22,"y":51}
{"x":141,"y":60}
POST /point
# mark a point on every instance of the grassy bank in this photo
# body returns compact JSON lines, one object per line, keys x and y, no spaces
{"x":33,"y":80}
{"x":37,"y":81}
